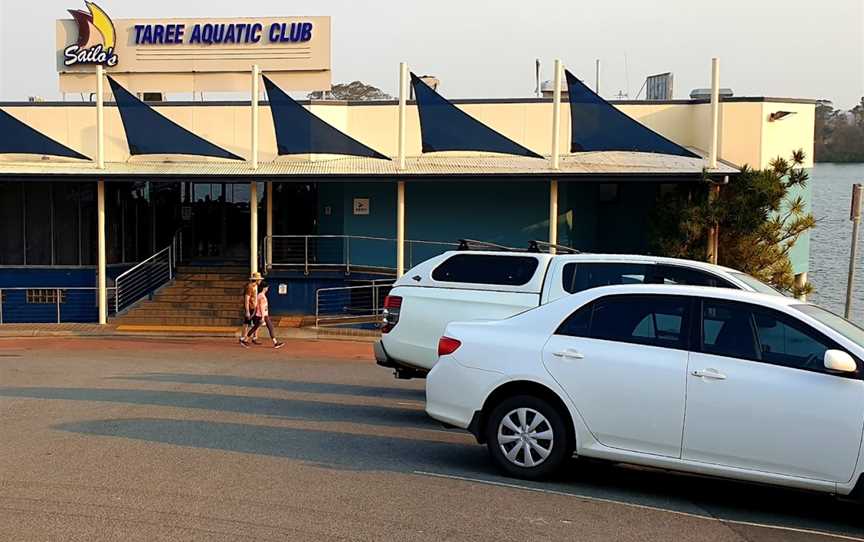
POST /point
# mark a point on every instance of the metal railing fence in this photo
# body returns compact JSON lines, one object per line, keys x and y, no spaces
{"x":148,"y":275}
{"x":357,"y":252}
{"x":51,"y":304}
{"x":351,"y":304}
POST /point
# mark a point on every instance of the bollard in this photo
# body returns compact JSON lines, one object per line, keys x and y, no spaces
{"x":855,"y":217}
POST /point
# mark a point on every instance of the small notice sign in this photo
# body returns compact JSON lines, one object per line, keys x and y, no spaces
{"x":361,"y":206}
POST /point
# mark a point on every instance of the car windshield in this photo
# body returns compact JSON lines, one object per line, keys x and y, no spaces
{"x":756,"y":284}
{"x":835,"y":322}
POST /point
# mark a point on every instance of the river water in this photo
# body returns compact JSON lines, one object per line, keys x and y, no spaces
{"x":830,"y":241}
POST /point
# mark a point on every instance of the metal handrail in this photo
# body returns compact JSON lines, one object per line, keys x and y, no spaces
{"x":339,"y":252}
{"x":351,"y":310}
{"x":139,"y":283}
{"x":58,"y":298}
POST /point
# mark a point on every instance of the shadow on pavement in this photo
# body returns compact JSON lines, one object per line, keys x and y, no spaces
{"x":264,"y":406}
{"x":705,"y":497}
{"x":349,"y":451}
{"x":286,"y":385}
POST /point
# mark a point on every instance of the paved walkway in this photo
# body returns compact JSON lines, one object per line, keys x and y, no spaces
{"x":111,"y":330}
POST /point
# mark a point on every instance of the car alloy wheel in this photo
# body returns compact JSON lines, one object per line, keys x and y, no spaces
{"x":526,"y":437}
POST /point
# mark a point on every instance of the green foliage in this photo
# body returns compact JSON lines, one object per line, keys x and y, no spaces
{"x":839,"y":134}
{"x":759,"y":221}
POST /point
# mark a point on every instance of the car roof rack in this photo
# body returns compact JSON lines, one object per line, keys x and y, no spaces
{"x":544,"y":246}
{"x":473,"y":244}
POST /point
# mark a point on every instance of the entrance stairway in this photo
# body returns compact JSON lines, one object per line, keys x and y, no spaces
{"x":200,"y":296}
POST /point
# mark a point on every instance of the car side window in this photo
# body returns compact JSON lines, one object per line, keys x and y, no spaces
{"x":674,"y":274}
{"x":655,"y":320}
{"x":783,"y":341}
{"x":577,"y":277}
{"x":487,"y":269}
{"x":577,"y":324}
{"x":727,"y":330}
{"x":745,"y":331}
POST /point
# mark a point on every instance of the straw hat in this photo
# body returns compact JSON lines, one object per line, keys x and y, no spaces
{"x":256,"y":276}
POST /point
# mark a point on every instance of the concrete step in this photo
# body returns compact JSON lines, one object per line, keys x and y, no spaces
{"x":160,"y":312}
{"x":176,"y":321}
{"x":202,"y":291}
{"x":163,"y":305}
{"x":239,"y":278}
{"x":227,"y":284}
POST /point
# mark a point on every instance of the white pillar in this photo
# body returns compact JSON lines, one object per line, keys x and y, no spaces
{"x":268,"y":254}
{"x":556,"y":116}
{"x":400,"y":228}
{"x":254,"y":145}
{"x":253,"y":226}
{"x":101,"y":260}
{"x":253,"y":185}
{"x":101,"y":271}
{"x":553,"y":215}
{"x":556,"y":154}
{"x":100,"y":118}
{"x":715,"y":113}
{"x":800,"y":281}
{"x":400,"y":187}
{"x":403,"y":106}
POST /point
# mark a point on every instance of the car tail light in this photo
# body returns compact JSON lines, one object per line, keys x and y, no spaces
{"x":392,"y":306}
{"x":447,"y":345}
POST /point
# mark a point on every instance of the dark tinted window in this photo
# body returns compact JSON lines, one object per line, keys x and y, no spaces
{"x":487,"y":269}
{"x":582,"y":276}
{"x":673,"y":274}
{"x":750,"y":332}
{"x":727,"y":330}
{"x":652,"y":320}
{"x":577,"y":324}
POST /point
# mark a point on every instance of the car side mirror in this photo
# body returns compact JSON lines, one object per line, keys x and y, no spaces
{"x":839,"y":361}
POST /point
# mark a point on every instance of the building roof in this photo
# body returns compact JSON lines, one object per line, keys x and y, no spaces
{"x":620,"y":165}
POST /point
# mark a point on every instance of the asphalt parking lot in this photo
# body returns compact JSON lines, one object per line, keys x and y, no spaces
{"x":109,"y":439}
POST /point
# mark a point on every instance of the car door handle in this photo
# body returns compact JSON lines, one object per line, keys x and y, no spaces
{"x":569,"y":354}
{"x":709,"y":373}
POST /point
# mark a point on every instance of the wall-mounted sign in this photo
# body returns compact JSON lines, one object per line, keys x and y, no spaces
{"x":283,"y":288}
{"x":92,"y":47}
{"x":192,"y":55}
{"x":361,"y":206}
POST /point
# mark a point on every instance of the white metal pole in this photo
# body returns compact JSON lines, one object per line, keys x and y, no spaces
{"x":254,"y":149}
{"x":400,"y":186}
{"x":855,"y":216}
{"x":553,"y":215}
{"x":253,"y":226}
{"x":268,"y":254}
{"x":556,"y":116}
{"x":400,"y":228}
{"x":100,"y":118}
{"x":556,"y":154}
{"x":715,"y":112}
{"x":597,"y":76}
{"x":101,"y":272}
{"x":403,"y":106}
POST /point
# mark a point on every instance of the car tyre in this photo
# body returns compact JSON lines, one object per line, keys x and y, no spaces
{"x":527,"y":437}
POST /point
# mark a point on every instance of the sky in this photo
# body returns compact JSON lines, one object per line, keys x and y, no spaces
{"x":479,"y":48}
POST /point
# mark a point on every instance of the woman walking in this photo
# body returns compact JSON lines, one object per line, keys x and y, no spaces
{"x":262,"y":316}
{"x":250,"y":304}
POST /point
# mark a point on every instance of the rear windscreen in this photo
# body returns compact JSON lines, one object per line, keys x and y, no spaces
{"x":487,"y":269}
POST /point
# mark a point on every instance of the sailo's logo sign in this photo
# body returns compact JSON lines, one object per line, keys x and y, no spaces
{"x":96,"y":38}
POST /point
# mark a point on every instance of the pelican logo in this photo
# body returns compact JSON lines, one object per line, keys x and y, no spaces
{"x":90,"y":49}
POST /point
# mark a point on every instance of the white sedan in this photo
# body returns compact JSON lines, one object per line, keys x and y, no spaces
{"x":713,"y":381}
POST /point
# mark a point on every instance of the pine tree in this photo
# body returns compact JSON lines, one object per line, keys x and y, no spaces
{"x":759,"y":220}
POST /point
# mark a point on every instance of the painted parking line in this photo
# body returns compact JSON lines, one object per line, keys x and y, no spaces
{"x":638,"y":506}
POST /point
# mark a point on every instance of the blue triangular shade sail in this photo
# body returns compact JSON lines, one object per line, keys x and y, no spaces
{"x":445,"y":127}
{"x":16,"y":137}
{"x":148,"y":132}
{"x":298,"y":131}
{"x":597,"y":125}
